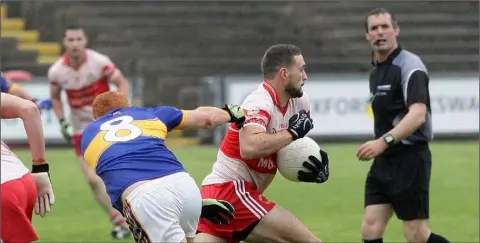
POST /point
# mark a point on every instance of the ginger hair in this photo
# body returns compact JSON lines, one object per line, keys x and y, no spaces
{"x":108,"y":101}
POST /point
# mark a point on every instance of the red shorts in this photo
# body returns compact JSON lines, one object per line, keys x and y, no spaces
{"x":250,"y":206}
{"x":18,"y":200}
{"x":77,"y":141}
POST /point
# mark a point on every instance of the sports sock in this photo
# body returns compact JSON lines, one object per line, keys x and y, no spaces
{"x":434,"y":238}
{"x":117,"y":219}
{"x":380,"y":240}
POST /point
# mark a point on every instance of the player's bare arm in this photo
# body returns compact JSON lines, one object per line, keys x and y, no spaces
{"x":22,"y":93}
{"x":119,"y":80}
{"x":15,"y":107}
{"x":207,"y":117}
{"x":255,"y":142}
{"x":55,"y":92}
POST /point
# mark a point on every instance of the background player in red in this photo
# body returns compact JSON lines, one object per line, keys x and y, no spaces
{"x":22,"y":191}
{"x":277,"y":113}
{"x":83,"y":74}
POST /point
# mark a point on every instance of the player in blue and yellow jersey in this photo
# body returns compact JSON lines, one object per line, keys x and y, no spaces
{"x":13,"y":89}
{"x":125,"y":146}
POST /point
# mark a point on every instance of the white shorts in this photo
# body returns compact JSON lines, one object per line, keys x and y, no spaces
{"x":166,"y":209}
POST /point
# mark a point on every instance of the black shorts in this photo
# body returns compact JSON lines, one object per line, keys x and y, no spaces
{"x":402,"y":180}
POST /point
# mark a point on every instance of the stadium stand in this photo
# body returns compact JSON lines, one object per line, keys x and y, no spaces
{"x":173,"y":44}
{"x":22,"y":47}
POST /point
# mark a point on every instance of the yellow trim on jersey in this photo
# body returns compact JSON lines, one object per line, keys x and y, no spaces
{"x":12,"y":88}
{"x":95,"y":149}
{"x":150,"y":128}
{"x":370,"y":111}
{"x":182,"y":122}
{"x":153,"y":128}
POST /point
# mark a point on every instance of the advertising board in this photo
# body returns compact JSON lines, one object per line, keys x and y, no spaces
{"x":339,"y":107}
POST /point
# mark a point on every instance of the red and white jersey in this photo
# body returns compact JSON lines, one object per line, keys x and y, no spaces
{"x":82,"y":84}
{"x":263,"y":110}
{"x":12,"y":167}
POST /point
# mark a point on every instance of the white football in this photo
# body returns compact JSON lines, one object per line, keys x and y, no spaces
{"x":291,"y":157}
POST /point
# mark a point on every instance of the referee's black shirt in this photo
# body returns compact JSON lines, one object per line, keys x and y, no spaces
{"x":395,"y":84}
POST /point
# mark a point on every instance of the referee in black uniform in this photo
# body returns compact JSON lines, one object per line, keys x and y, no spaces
{"x":399,"y":178}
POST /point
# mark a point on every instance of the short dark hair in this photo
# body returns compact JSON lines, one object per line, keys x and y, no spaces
{"x":280,"y":55}
{"x":73,"y":27}
{"x":379,"y":11}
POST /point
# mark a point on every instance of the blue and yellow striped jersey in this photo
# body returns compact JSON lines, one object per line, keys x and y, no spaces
{"x":5,"y":86}
{"x":127,"y":145}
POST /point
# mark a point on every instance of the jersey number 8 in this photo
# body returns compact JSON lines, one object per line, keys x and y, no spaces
{"x":120,"y":129}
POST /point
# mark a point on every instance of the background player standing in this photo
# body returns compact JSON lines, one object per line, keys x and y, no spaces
{"x":125,"y":146}
{"x":22,"y":191}
{"x":277,"y":113}
{"x":83,"y":74}
{"x":399,"y":178}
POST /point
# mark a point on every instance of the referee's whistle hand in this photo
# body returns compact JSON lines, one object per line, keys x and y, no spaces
{"x":371,"y":149}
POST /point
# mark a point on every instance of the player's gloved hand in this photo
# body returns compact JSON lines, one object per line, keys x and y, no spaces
{"x":300,"y":124}
{"x":64,"y":125}
{"x":44,"y":104}
{"x":217,"y":211}
{"x":236,"y":114}
{"x":316,"y":173}
{"x":45,"y":196}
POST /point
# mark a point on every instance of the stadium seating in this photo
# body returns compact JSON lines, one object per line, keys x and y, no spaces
{"x":173,"y":44}
{"x":22,"y":48}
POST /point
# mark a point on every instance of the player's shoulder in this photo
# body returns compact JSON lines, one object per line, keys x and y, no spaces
{"x":57,"y":67}
{"x":91,"y":130}
{"x":96,"y":56}
{"x":259,"y":98}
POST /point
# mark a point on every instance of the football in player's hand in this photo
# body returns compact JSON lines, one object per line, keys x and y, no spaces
{"x":290,"y":158}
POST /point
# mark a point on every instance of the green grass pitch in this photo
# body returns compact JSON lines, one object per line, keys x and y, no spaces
{"x":333,"y":210}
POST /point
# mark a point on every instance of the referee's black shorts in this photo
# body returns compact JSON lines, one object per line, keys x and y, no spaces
{"x":401,"y":179}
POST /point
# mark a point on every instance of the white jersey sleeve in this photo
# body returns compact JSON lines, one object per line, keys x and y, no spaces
{"x":108,"y":67}
{"x":258,"y":109}
{"x":52,"y":75}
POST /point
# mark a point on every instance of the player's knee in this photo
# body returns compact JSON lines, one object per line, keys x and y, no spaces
{"x":372,"y":228}
{"x":279,"y":225}
{"x":416,"y":230}
{"x":202,"y":238}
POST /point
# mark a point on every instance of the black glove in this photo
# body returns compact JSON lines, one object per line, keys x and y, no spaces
{"x":236,"y":114}
{"x":300,"y":124}
{"x":316,"y":173}
{"x":217,"y":211}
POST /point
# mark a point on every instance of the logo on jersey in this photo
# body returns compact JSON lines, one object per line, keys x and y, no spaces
{"x":253,"y":111}
{"x":266,"y":163}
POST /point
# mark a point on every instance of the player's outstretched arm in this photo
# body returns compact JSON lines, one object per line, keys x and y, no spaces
{"x":207,"y":117}
{"x":22,"y":93}
{"x":15,"y":107}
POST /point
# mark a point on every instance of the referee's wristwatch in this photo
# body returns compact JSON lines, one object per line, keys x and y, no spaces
{"x":388,"y":139}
